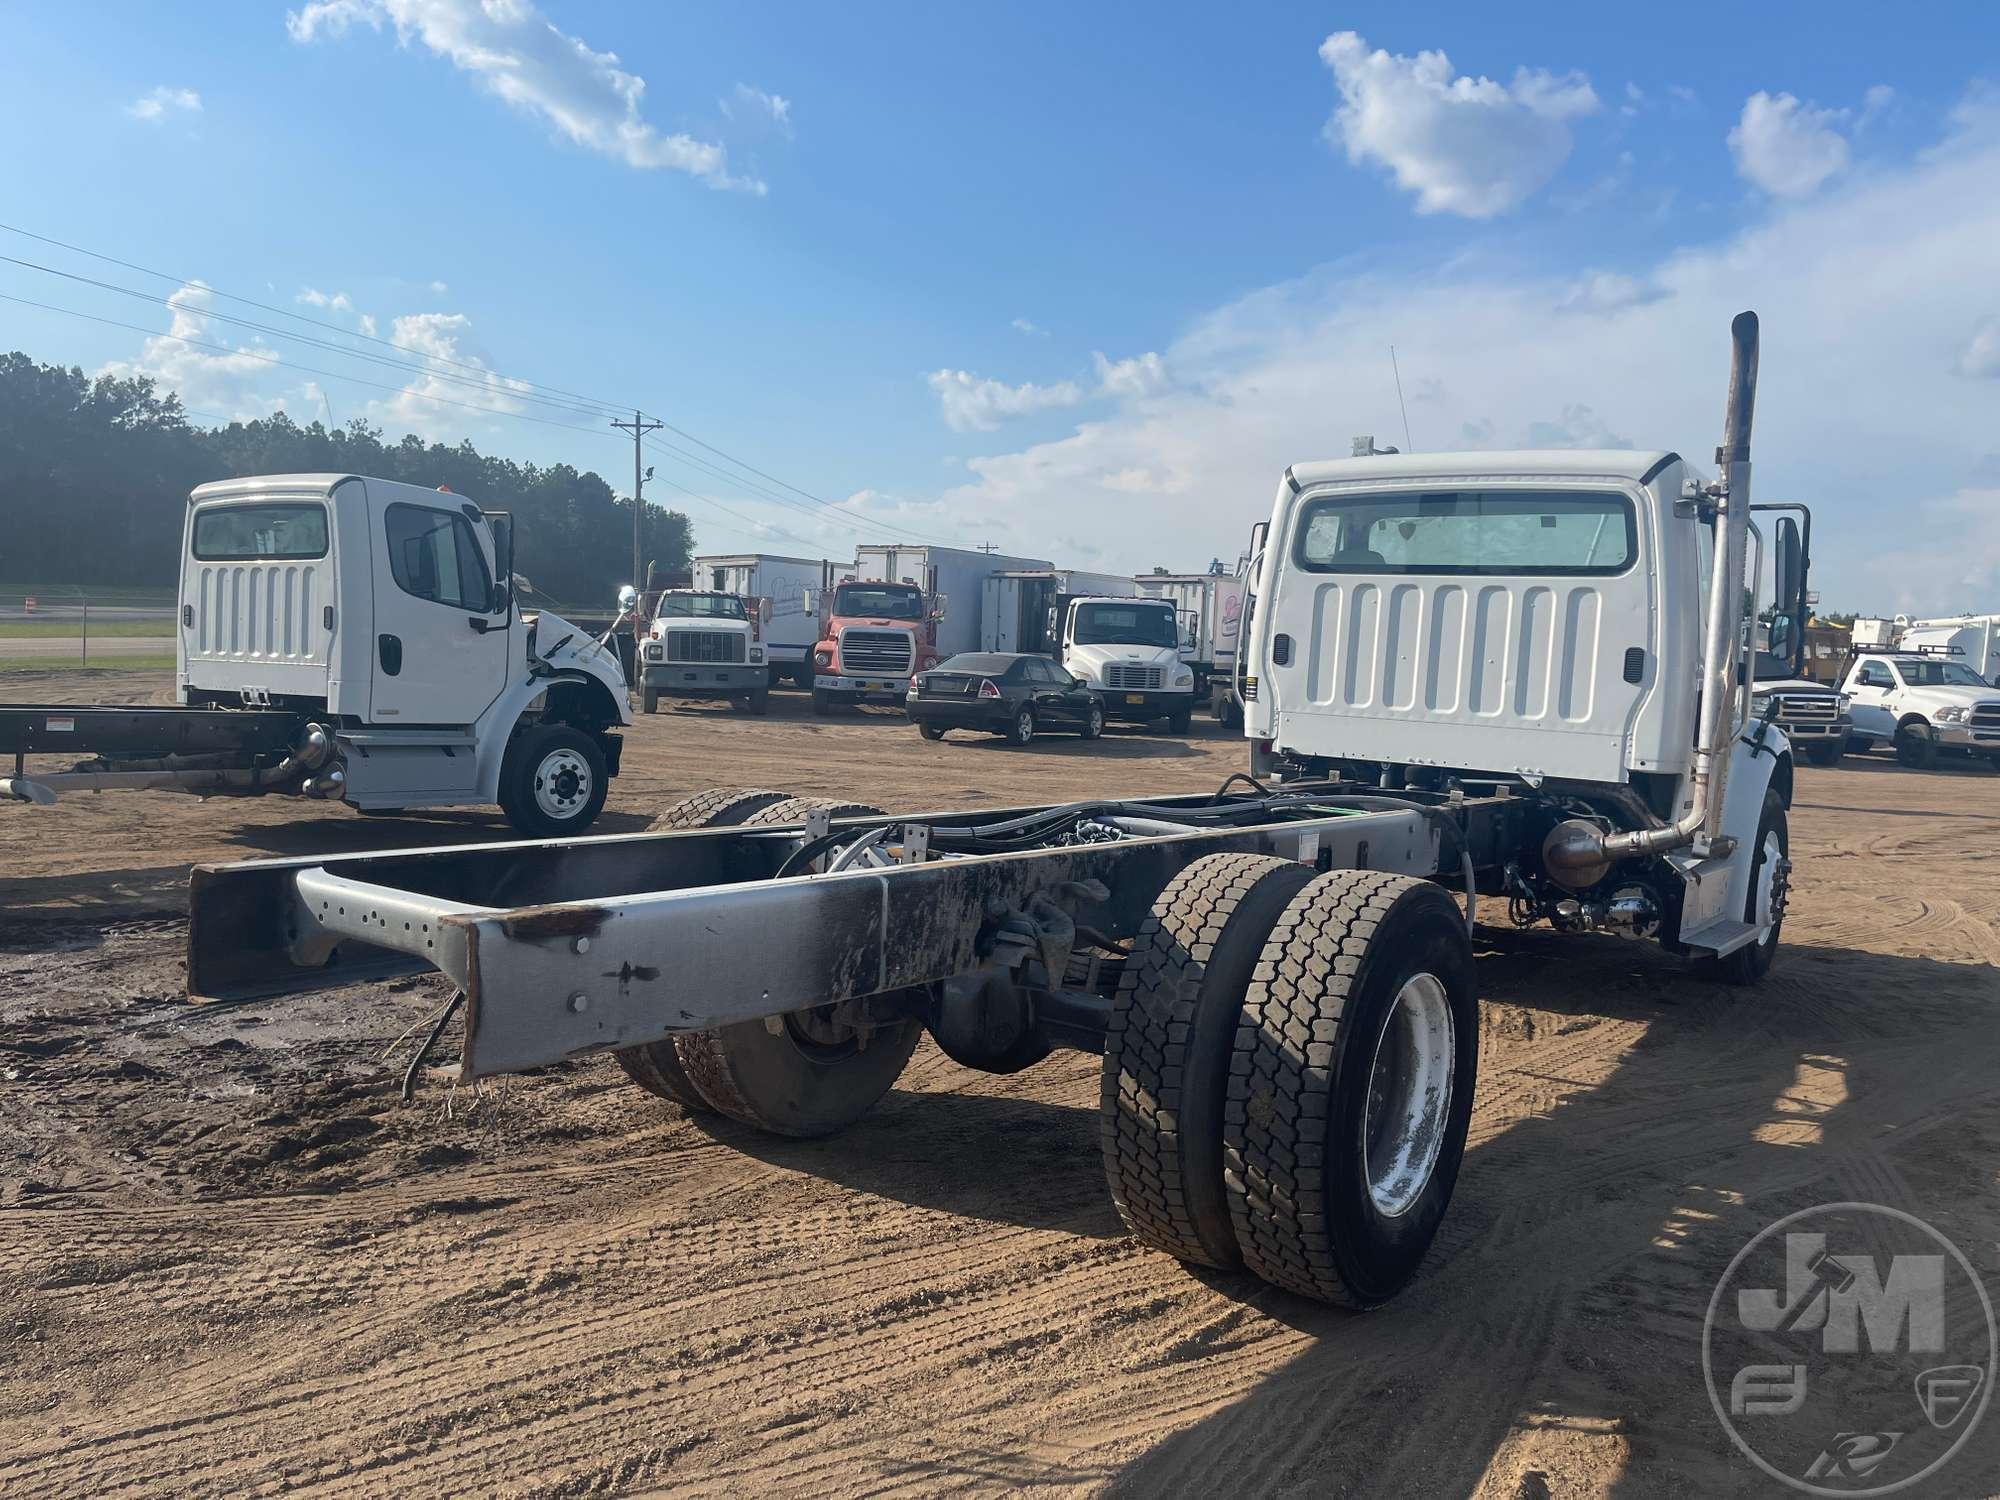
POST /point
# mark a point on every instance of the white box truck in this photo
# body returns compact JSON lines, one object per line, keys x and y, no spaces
{"x":1973,"y":641}
{"x":1210,"y":610}
{"x":792,"y":628}
{"x":1014,"y":606}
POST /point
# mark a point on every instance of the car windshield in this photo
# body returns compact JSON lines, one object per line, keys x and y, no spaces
{"x":700,"y":607}
{"x":1125,"y":625}
{"x":1938,"y":674}
{"x":880,"y":601}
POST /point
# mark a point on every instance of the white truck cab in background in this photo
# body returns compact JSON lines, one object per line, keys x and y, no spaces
{"x":791,"y":628}
{"x":384,"y":614}
{"x":704,"y":644}
{"x":1127,"y":650}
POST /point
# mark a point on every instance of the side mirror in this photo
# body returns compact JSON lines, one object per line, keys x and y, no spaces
{"x":764,"y":609}
{"x":628,"y":598}
{"x":806,"y":600}
{"x":938,"y":606}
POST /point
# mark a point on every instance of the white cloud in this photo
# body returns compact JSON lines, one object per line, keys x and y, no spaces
{"x":1875,"y":104}
{"x":332,"y":301}
{"x":1980,"y":359}
{"x":1787,"y":148}
{"x":754,"y":102}
{"x":518,"y":55}
{"x":439,"y":288}
{"x":1606,"y":292}
{"x":1141,"y":375}
{"x":1859,"y":413}
{"x":1033,"y":330}
{"x":164,"y":101}
{"x":1463,"y":145}
{"x":367,"y":322}
{"x":974,"y":404}
{"x":455,"y":376}
{"x":1578,"y":427}
{"x":239,"y":380}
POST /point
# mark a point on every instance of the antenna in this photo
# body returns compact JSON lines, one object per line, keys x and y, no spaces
{"x":1408,"y":446}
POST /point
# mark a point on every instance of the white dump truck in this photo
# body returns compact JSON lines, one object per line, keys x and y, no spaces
{"x":353,"y":640}
{"x":1492,"y":676}
{"x":782,"y":587}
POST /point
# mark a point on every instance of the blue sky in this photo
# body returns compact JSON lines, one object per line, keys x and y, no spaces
{"x":1077,"y":280}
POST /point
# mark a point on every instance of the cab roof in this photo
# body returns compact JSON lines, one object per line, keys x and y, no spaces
{"x":1637,"y":466}
{"x":253,"y":486}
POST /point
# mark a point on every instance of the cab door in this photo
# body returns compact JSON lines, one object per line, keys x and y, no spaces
{"x":440,"y":649}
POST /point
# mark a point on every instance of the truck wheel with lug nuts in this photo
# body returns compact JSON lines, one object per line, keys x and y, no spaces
{"x":1350,"y":1086}
{"x":1022,"y":731}
{"x":552,"y":781}
{"x":1167,"y":1050}
{"x":1770,"y":887}
{"x":808,"y":1073}
{"x":1916,"y":745}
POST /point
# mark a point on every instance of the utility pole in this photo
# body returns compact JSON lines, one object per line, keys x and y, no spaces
{"x":988,"y":548}
{"x":638,"y":427}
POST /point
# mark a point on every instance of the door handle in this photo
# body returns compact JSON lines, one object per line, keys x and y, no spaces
{"x":479,"y":624}
{"x":1281,"y":650}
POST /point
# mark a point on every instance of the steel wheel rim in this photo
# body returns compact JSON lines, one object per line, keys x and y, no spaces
{"x":1409,"y":1096}
{"x":1767,"y":879}
{"x":562,"y":783}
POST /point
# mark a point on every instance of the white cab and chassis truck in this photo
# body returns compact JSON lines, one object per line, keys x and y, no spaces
{"x":1211,"y":620}
{"x":1126,"y":649}
{"x":1278,"y":975}
{"x":353,"y":640}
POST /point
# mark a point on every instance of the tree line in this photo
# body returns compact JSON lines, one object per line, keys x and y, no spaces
{"x":95,"y":474}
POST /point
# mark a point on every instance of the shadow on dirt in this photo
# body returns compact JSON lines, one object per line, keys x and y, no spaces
{"x":1025,"y":1162}
{"x":1562,"y":1305}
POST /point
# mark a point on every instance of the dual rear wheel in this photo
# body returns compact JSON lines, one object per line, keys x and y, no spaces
{"x":1288,"y":1074}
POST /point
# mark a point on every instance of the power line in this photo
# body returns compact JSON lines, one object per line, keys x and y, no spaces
{"x":272,"y":359}
{"x":380,"y":359}
{"x":593,"y":406}
{"x":285,"y":312}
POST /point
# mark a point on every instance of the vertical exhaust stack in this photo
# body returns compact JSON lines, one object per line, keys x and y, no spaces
{"x":1721,"y":643}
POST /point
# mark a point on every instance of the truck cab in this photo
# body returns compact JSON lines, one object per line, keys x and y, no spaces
{"x":876,"y":636}
{"x":1128,"y":650}
{"x":1566,"y":629}
{"x":1935,"y":702}
{"x":382,"y":616}
{"x":703,"y":643}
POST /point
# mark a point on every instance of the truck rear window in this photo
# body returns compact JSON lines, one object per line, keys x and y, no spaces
{"x":1469,"y":532}
{"x":266,"y":533}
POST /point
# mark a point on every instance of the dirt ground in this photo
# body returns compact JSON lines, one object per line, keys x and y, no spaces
{"x":231,"y":1261}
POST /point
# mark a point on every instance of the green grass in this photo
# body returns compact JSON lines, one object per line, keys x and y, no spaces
{"x":97,"y":664}
{"x":43,"y":630}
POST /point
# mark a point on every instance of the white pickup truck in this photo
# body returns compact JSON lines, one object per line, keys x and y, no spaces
{"x":1938,"y":705}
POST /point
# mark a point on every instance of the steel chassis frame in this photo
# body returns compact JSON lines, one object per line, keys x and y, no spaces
{"x":573,"y":946}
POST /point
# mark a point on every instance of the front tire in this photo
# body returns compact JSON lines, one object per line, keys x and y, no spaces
{"x":1821,"y":753}
{"x":1180,"y":721}
{"x":649,"y":700}
{"x":553,"y":781}
{"x":822,"y":702}
{"x":1022,"y":730}
{"x":1916,"y":747}
{"x":1351,"y":1086}
{"x":931,"y":731}
{"x":1093,"y":723}
{"x":1770,"y":883}
{"x":758,"y":703}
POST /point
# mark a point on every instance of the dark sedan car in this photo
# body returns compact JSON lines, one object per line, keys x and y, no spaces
{"x":1002,"y":693}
